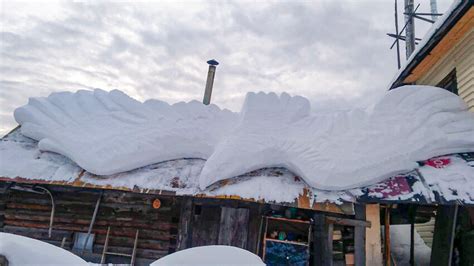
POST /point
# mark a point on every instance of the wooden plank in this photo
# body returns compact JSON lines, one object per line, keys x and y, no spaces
{"x":387,"y":245}
{"x":206,"y":220}
{"x":38,"y":233}
{"x":110,"y":215}
{"x":141,"y":252}
{"x":359,"y":236}
{"x":137,"y":224}
{"x":347,"y":222}
{"x":42,"y":234}
{"x":443,"y":235}
{"x":233,"y":228}
{"x":119,"y":231}
{"x":254,"y":233}
{"x":450,"y":40}
{"x":373,"y":245}
{"x":288,"y":220}
{"x":185,"y":222}
{"x":109,"y":208}
{"x":129,"y":241}
{"x":322,"y":241}
{"x":287,"y":241}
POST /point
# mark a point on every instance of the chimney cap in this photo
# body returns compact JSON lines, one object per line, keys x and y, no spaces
{"x":213,"y":62}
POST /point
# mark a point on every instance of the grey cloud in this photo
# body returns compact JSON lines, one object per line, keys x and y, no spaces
{"x":333,"y":51}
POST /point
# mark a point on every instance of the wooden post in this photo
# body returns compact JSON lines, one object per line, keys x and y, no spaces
{"x":387,"y":235}
{"x":94,"y":215}
{"x":373,"y":244}
{"x":134,"y":252}
{"x":443,"y":238}
{"x":412,"y":214}
{"x":106,"y":246}
{"x":185,"y":220}
{"x":359,"y":236}
{"x":322,"y":241}
{"x":233,"y":228}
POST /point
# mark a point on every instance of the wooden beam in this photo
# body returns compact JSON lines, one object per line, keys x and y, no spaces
{"x":347,"y":222}
{"x":443,"y":237}
{"x":387,"y":236}
{"x":359,"y":236}
{"x":233,"y":228}
{"x":185,"y":223}
{"x":412,"y":214}
{"x":322,"y":241}
{"x":373,"y":244}
{"x":450,"y":40}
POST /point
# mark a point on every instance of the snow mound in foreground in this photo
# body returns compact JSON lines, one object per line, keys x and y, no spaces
{"x":109,"y":132}
{"x":400,"y":240}
{"x":20,"y":250}
{"x":212,"y":256}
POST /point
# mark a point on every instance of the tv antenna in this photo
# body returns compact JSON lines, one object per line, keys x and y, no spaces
{"x":409,"y":28}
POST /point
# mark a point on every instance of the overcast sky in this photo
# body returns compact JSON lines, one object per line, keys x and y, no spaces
{"x":331,"y":51}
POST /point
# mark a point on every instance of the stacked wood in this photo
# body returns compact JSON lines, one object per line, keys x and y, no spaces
{"x":28,"y":214}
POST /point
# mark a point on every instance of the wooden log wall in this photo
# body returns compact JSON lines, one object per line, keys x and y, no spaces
{"x":28,"y":214}
{"x":220,"y":222}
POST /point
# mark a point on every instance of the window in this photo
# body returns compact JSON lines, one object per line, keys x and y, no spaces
{"x":450,"y":82}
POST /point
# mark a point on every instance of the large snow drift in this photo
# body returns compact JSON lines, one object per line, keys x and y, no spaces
{"x":20,"y":251}
{"x":210,"y":256}
{"x":109,"y":132}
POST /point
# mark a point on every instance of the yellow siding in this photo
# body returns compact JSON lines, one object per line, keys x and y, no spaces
{"x":461,"y":57}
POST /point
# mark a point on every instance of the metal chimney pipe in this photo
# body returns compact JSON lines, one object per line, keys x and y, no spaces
{"x":210,"y":81}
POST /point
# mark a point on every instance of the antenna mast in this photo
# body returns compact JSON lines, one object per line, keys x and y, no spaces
{"x":434,"y":10}
{"x":409,"y":27}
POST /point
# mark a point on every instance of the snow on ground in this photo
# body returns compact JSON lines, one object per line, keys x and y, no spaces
{"x":22,"y":251}
{"x":210,"y":256}
{"x":108,"y":133}
{"x":400,"y":246}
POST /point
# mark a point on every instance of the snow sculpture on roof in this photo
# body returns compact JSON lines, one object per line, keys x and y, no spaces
{"x":343,"y":150}
{"x":109,"y":132}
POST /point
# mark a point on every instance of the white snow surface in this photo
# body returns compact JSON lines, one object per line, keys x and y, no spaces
{"x":20,"y":157}
{"x":454,"y":182}
{"x":212,"y":256}
{"x":400,"y":242}
{"x":20,"y":251}
{"x":108,"y":133}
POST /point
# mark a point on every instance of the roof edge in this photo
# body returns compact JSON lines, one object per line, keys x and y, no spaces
{"x":458,"y":12}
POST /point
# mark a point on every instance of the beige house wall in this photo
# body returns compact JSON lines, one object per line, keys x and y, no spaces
{"x":461,"y":58}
